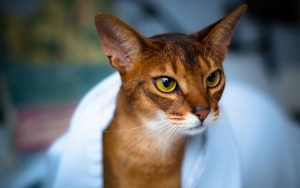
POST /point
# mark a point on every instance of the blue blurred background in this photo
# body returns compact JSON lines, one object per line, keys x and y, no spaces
{"x":50,"y":57}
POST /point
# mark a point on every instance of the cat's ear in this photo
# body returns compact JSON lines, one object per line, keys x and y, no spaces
{"x":219,"y":34}
{"x":120,"y":42}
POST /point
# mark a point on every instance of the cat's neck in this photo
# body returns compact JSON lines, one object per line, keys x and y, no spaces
{"x":145,"y":132}
{"x":135,"y":156}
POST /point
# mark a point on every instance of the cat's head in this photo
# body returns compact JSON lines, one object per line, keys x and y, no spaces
{"x":170,"y":80}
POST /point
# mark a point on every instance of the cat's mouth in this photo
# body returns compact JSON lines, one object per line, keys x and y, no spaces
{"x":183,"y":125}
{"x":199,"y":126}
{"x":192,"y":125}
{"x":198,"y":129}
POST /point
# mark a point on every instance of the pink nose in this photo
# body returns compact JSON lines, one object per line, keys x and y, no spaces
{"x":201,"y":112}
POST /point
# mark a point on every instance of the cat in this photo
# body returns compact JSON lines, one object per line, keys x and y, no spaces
{"x":171,"y":86}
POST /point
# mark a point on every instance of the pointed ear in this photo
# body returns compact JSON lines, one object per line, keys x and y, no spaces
{"x":120,"y":42}
{"x":219,"y":34}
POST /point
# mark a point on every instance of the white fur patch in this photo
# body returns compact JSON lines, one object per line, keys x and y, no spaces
{"x":165,"y":133}
{"x":160,"y":125}
{"x":191,"y":125}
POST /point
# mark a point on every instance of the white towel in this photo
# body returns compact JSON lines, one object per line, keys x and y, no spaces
{"x":253,"y":144}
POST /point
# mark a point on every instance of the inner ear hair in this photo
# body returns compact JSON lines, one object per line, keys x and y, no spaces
{"x":121,"y":43}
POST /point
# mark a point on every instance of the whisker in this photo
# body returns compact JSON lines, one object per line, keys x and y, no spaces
{"x":164,"y":129}
{"x":161,"y":133}
{"x":137,"y":140}
{"x":178,"y":119}
{"x":121,"y":130}
{"x":134,"y":142}
{"x":175,"y":133}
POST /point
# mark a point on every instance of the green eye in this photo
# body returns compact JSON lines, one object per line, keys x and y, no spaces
{"x":213,"y":79}
{"x":165,"y":84}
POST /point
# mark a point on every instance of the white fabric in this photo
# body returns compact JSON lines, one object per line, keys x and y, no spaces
{"x":252,"y":145}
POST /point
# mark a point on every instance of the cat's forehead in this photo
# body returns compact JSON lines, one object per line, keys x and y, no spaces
{"x":174,"y":42}
{"x":180,"y":50}
{"x":172,"y":37}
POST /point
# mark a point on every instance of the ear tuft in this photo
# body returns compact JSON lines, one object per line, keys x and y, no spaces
{"x":120,"y":42}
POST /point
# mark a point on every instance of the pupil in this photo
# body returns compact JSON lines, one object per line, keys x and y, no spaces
{"x":211,"y":77}
{"x":166,"y":82}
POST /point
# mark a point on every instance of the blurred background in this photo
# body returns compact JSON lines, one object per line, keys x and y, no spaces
{"x":50,"y":57}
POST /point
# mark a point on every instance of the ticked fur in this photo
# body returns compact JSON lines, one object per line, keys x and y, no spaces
{"x":144,"y":143}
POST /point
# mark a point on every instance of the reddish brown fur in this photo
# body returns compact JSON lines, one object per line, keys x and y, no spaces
{"x":132,"y":156}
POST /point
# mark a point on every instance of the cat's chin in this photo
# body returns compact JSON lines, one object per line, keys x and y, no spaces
{"x":193,"y":126}
{"x":194,"y":130}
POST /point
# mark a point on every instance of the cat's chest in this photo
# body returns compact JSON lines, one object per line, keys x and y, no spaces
{"x":135,"y":157}
{"x":147,"y":150}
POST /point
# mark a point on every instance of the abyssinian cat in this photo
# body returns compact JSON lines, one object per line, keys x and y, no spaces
{"x":171,"y":86}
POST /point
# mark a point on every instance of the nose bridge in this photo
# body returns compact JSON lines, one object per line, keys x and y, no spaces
{"x":197,"y":97}
{"x":199,"y":104}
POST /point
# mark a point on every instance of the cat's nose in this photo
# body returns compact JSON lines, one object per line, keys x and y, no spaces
{"x":201,"y":112}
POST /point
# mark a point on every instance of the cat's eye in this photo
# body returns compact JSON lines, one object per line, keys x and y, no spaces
{"x":165,"y":84}
{"x":213,"y":79}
